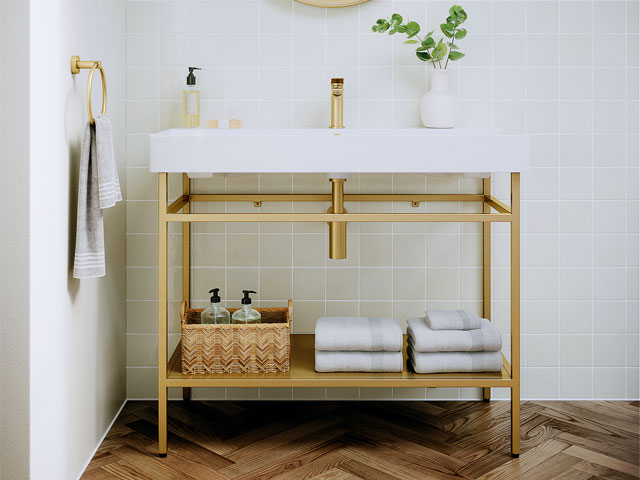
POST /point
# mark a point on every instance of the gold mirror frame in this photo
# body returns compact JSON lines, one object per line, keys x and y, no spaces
{"x":332,"y":3}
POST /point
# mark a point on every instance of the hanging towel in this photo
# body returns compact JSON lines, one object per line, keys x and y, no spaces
{"x":98,"y":188}
{"x":452,"y":320}
{"x":363,"y":334}
{"x":358,"y":361}
{"x":450,"y":362}
{"x":421,"y":338}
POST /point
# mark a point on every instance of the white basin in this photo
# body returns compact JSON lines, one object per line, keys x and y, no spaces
{"x":409,"y":150}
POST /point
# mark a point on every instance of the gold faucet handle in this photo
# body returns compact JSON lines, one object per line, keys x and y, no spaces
{"x":337,"y":86}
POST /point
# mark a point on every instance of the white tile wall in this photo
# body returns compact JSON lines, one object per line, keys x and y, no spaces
{"x":564,"y":71}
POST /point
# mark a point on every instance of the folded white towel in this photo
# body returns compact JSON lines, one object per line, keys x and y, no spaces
{"x":451,"y":320}
{"x":98,"y":188}
{"x":358,"y":334}
{"x":449,"y":362}
{"x":358,"y":361}
{"x":421,"y":338}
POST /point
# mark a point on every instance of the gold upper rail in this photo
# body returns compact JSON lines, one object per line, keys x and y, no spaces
{"x":92,"y":65}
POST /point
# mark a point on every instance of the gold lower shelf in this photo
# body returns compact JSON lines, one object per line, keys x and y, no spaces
{"x":303,"y":374}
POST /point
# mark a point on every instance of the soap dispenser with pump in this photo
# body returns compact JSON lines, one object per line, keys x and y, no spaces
{"x":215,"y":314}
{"x":246,"y":314}
{"x":191,"y":101}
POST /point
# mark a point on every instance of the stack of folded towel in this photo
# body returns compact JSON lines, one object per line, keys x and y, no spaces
{"x":358,"y":344}
{"x":453,"y":341}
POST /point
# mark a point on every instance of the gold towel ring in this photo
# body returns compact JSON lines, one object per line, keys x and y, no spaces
{"x":76,"y":65}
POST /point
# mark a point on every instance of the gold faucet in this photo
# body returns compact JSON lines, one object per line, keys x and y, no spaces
{"x":337,"y":110}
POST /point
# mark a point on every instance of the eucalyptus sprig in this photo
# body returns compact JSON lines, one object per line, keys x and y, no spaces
{"x":428,"y":50}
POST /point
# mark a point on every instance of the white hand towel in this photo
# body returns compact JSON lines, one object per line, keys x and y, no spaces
{"x":452,"y":320}
{"x":487,"y":338}
{"x":358,"y":361}
{"x":358,"y":334}
{"x":450,"y":362}
{"x":98,"y":188}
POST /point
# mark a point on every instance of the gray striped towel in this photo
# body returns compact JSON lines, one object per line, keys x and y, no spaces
{"x":98,"y":188}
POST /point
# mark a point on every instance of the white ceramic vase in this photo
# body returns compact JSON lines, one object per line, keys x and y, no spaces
{"x":438,"y":106}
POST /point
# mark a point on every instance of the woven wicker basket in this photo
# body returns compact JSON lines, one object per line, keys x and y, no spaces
{"x":256,"y":348}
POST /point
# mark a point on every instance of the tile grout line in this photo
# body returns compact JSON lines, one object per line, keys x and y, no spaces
{"x":523,"y":208}
{"x":558,"y":251}
{"x":593,"y":271}
{"x":626,"y":203}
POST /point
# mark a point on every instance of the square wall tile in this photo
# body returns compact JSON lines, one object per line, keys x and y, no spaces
{"x":576,"y":351}
{"x":609,"y":351}
{"x":609,"y":383}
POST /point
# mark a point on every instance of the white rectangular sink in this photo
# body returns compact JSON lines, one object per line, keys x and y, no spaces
{"x":323,"y":150}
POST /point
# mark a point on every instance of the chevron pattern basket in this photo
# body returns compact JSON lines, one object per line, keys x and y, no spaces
{"x":256,"y":348}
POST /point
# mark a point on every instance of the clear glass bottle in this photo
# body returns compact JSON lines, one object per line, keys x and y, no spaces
{"x":215,"y":314}
{"x":191,"y":102}
{"x":246,"y":314}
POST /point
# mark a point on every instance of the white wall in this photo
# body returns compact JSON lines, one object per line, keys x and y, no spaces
{"x":14,"y":228}
{"x":564,"y":71}
{"x":74,"y":329}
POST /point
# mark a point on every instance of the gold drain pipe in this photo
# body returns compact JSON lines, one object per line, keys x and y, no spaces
{"x":337,"y":230}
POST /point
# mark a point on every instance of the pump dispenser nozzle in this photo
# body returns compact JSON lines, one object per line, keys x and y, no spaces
{"x":246,"y":314}
{"x":215,"y":298}
{"x":191,"y":78}
{"x":246,"y":300}
{"x":216,"y":313}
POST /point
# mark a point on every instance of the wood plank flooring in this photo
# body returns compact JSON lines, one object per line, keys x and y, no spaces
{"x":372,"y":441}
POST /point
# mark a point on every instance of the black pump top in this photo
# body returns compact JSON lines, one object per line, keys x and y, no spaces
{"x":215,"y":298}
{"x":191,"y":78}
{"x":246,"y":300}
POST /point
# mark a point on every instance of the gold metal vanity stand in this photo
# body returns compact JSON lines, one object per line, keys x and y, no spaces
{"x":302,"y":372}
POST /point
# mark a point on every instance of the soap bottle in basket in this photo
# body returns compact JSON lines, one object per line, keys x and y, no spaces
{"x":246,"y":314}
{"x":215,"y":314}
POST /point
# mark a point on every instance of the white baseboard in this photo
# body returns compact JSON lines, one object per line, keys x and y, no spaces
{"x":102,"y":438}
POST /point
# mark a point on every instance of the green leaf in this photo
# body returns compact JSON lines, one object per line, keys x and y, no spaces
{"x":374,"y":28}
{"x":440,"y":51}
{"x":460,"y":34}
{"x":411,"y":41}
{"x":424,"y":56}
{"x":429,"y":42}
{"x":383,"y":28}
{"x":412,"y":29}
{"x":453,"y":55}
{"x":447,"y":30}
{"x":396,"y":19}
{"x":393,"y":30}
{"x":456,"y":11}
{"x":381,"y":21}
{"x":422,"y":49}
{"x":453,"y":46}
{"x":402,"y":28}
{"x":428,"y":35}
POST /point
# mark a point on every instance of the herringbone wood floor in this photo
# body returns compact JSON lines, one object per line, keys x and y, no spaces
{"x":372,"y":441}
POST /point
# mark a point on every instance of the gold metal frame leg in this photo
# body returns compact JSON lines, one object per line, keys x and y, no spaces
{"x":486,"y":268}
{"x":515,"y":315}
{"x":162,"y":313}
{"x":186,"y":260}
